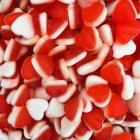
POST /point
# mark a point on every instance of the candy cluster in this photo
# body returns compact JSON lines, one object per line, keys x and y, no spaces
{"x":69,"y":69}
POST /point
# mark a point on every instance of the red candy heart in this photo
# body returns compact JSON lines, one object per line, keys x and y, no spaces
{"x":27,"y":70}
{"x":88,"y":39}
{"x":124,"y":12}
{"x":100,"y":94}
{"x":116,"y":107}
{"x":126,"y":32}
{"x":113,"y":72}
{"x":73,"y":109}
{"x":94,"y":119}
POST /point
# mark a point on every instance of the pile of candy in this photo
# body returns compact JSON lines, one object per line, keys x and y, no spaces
{"x":70,"y":70}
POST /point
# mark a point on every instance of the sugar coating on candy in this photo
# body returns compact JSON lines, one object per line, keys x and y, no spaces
{"x":69,"y":69}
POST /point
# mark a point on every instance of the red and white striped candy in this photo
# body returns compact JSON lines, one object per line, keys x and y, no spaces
{"x":82,"y":132}
{"x":40,"y":21}
{"x":67,"y":37}
{"x":57,"y":52}
{"x":92,"y":19}
{"x":40,"y":92}
{"x":43,"y":65}
{"x":33,"y":83}
{"x":88,"y":106}
{"x":27,"y":71}
{"x":113,"y":72}
{"x":105,"y":133}
{"x":74,"y":76}
{"x":74,"y":16}
{"x":131,"y":120}
{"x":55,"y":88}
{"x":44,"y":132}
{"x":55,"y":109}
{"x":36,"y":108}
{"x":88,"y":65}
{"x":41,"y":1}
{"x":10,"y":96}
{"x":74,"y":55}
{"x":98,"y":90}
{"x":11,"y":82}
{"x":19,"y":117}
{"x":105,"y":53}
{"x":71,"y":89}
{"x":61,"y":70}
{"x":111,"y":5}
{"x":22,"y":94}
{"x":11,"y":17}
{"x":68,"y":127}
{"x":135,"y":69}
{"x":94,"y":80}
{"x":120,"y":50}
{"x":19,"y":24}
{"x":2,"y":50}
{"x":6,"y":32}
{"x":128,"y":88}
{"x":14,"y":51}
{"x":44,"y":45}
{"x":4,"y":121}
{"x":73,"y":109}
{"x":94,"y":119}
{"x":57,"y":125}
{"x":8,"y":69}
{"x":56,"y":27}
{"x":106,"y":34}
{"x":34,"y":127}
{"x":28,"y":42}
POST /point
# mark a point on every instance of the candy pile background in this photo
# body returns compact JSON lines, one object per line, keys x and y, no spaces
{"x":70,"y":70}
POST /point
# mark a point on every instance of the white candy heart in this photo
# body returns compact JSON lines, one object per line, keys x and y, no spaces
{"x":55,"y":109}
{"x":8,"y":69}
{"x":94,"y":80}
{"x":23,"y":26}
{"x":36,"y":108}
{"x":68,"y":127}
{"x":120,"y":50}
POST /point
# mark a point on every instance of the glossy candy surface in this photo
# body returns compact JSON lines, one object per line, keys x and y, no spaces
{"x":69,"y":70}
